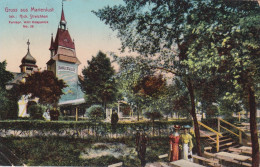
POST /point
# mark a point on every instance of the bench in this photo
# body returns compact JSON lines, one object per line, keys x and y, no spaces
{"x":116,"y":164}
{"x":163,"y":156}
{"x":238,"y":150}
{"x":214,"y":165}
{"x":211,"y":162}
{"x":182,"y":163}
{"x":232,"y":158}
{"x":207,"y":148}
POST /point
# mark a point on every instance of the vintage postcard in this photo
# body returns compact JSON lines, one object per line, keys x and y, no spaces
{"x":109,"y":83}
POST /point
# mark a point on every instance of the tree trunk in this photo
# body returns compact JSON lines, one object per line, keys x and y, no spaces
{"x":193,"y":114}
{"x":138,"y":117}
{"x":253,"y":127}
{"x":105,"y":108}
{"x":153,"y":126}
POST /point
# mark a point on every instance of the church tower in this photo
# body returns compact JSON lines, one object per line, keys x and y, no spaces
{"x":28,"y":62}
{"x":64,"y":62}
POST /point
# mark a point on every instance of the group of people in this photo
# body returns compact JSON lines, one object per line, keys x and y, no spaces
{"x":180,"y":144}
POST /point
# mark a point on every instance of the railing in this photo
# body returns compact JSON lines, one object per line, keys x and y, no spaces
{"x":212,"y":130}
{"x":239,"y":135}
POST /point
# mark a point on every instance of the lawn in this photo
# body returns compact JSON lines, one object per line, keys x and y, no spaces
{"x":64,"y":151}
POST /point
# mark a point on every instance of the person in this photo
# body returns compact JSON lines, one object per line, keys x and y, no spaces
{"x":174,"y":144}
{"x":186,"y":144}
{"x":54,"y":114}
{"x":141,"y":143}
{"x":114,"y":120}
{"x":46,"y":115}
{"x":137,"y":140}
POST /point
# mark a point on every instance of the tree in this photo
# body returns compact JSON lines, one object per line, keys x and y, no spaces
{"x":153,"y":115}
{"x":9,"y":98}
{"x":179,"y":33}
{"x":156,"y":30}
{"x":129,"y":76}
{"x":99,"y":85}
{"x":234,"y":48}
{"x":36,"y":111}
{"x":5,"y":76}
{"x":43,"y":85}
{"x":95,"y":112}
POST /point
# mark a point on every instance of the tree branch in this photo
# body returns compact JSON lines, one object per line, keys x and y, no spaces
{"x":167,"y":70}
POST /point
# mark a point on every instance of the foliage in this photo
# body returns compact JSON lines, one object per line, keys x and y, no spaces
{"x":3,"y":104}
{"x":8,"y":104}
{"x":43,"y":85}
{"x":35,"y":151}
{"x":59,"y":127}
{"x":153,"y":115}
{"x":191,"y":40}
{"x":125,"y":109}
{"x":99,"y":84}
{"x":5,"y":76}
{"x":150,"y":85}
{"x":95,"y":112}
{"x":157,"y":31}
{"x":36,"y":111}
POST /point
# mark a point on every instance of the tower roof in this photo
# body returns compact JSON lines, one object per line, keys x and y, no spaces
{"x":62,"y":19}
{"x":63,"y":39}
{"x":52,"y":43}
{"x":28,"y":59}
{"x":63,"y":45}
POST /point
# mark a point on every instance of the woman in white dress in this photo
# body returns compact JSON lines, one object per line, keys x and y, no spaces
{"x":186,"y":144}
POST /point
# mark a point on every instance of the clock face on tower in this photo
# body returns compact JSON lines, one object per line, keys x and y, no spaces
{"x":66,"y":40}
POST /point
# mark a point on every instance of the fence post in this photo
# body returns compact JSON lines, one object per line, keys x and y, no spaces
{"x":217,"y":143}
{"x":77,"y":113}
{"x":218,"y":125}
{"x":240,"y":137}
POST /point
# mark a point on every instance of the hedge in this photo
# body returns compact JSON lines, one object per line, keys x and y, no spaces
{"x":81,"y":128}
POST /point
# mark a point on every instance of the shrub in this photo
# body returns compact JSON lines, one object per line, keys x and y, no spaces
{"x":95,"y":112}
{"x":8,"y":105}
{"x":36,"y":111}
{"x":153,"y":115}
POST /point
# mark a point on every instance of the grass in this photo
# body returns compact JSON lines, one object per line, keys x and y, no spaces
{"x":61,"y":151}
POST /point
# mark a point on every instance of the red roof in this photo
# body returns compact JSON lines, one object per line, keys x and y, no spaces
{"x":62,"y":16}
{"x":52,"y":47}
{"x":63,"y":39}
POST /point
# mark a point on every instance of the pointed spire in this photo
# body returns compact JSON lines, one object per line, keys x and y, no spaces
{"x":62,"y":14}
{"x":62,"y":19}
{"x":52,"y":43}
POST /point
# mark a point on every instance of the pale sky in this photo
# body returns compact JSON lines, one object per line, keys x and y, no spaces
{"x":90,"y":34}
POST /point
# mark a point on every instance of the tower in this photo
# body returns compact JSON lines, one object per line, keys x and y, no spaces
{"x":64,"y":62}
{"x":28,"y":62}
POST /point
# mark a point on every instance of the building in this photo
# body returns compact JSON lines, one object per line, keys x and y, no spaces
{"x":28,"y":62}
{"x":27,"y":67}
{"x":64,"y":64}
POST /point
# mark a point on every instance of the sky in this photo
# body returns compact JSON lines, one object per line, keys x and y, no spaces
{"x":90,"y":34}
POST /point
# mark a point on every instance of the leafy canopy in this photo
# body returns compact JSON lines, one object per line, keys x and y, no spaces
{"x":99,"y":84}
{"x":43,"y":85}
{"x":5,"y":75}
